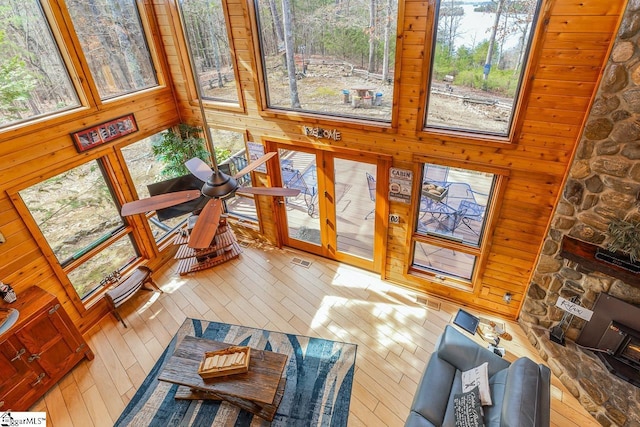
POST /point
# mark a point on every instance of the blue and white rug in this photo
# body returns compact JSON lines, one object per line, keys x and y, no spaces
{"x":318,"y":390}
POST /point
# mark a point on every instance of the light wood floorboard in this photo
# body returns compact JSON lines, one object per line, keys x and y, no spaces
{"x":263,"y":289}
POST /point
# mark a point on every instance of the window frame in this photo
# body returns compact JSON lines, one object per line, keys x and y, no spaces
{"x":481,"y":252}
{"x":361,"y":123}
{"x":148,"y":24}
{"x":53,"y":19}
{"x":192,"y":87}
{"x":520,"y":100}
{"x":127,"y":230}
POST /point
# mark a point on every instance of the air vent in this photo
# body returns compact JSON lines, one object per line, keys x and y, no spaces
{"x":433,"y":305}
{"x":301,"y":262}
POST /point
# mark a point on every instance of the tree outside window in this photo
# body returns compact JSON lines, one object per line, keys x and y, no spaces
{"x":78,"y":216}
{"x":327,"y":57}
{"x":479,"y":55}
{"x":114,"y":45}
{"x":208,"y":42}
{"x":34,"y":81}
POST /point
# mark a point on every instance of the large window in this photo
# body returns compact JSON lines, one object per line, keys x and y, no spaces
{"x":78,"y":216}
{"x":479,"y":55}
{"x":328,"y":57}
{"x":145,"y":169}
{"x":452,"y":217}
{"x":34,"y":81}
{"x":208,"y":41}
{"x":114,"y":44}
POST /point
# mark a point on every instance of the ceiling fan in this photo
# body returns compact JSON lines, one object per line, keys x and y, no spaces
{"x":217,"y":186}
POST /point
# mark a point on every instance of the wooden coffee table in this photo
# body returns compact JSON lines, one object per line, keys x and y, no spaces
{"x":258,"y":391}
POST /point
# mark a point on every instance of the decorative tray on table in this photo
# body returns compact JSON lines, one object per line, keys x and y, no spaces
{"x":231,"y":360}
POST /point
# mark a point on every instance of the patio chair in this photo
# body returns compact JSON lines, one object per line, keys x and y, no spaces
{"x":371,"y":183}
{"x":471,"y":211}
{"x":292,"y":178}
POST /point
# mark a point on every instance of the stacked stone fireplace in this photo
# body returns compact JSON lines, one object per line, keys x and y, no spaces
{"x":603,"y":183}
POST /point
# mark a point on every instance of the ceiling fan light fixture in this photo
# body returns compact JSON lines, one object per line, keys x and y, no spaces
{"x":219,"y":184}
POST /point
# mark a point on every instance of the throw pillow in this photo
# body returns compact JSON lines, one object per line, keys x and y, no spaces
{"x":467,"y":409}
{"x":478,"y":377}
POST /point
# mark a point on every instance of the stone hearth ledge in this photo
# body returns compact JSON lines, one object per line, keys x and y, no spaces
{"x":609,"y":399}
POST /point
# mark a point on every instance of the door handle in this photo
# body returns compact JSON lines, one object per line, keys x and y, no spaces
{"x":38,"y":380}
{"x":33,"y":357}
{"x":19,"y":354}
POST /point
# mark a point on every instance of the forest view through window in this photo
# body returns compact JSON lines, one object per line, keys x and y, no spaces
{"x":79,"y":217}
{"x":479,"y":55}
{"x":33,"y":79}
{"x":208,"y":41}
{"x":329,"y":57}
{"x":114,"y":44}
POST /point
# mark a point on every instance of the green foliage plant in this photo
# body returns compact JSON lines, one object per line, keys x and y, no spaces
{"x":174,"y":149}
{"x":624,"y":236}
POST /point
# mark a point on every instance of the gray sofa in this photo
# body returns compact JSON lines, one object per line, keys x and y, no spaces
{"x":520,"y":391}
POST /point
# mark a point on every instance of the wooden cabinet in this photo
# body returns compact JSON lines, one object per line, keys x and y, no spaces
{"x":38,"y":350}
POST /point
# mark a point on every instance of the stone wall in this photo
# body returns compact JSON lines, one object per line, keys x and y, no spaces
{"x":603,"y":183}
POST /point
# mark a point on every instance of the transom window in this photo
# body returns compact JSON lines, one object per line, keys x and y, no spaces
{"x":328,"y":57}
{"x":114,"y":45}
{"x":208,"y":42}
{"x":452,"y":217}
{"x":479,"y":56}
{"x":78,"y":215}
{"x":34,"y":81}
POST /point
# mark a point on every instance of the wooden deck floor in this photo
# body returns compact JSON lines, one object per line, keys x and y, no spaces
{"x":264,"y":289}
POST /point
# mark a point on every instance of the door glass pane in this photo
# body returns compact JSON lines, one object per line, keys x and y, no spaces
{"x":329,"y":57}
{"x":209,"y":44}
{"x":114,"y":43}
{"x":354,"y":185}
{"x":441,"y":260}
{"x":230,"y":149}
{"x":34,"y":81}
{"x":480,"y":52}
{"x":298,"y":171}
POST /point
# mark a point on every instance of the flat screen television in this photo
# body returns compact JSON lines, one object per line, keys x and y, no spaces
{"x":182,"y":183}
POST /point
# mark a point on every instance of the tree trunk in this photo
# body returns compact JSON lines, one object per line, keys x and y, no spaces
{"x":492,"y":40}
{"x":289,"y":51}
{"x":387,"y":31}
{"x":372,"y":35}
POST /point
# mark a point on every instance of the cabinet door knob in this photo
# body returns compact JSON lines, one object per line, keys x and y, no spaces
{"x":33,"y":357}
{"x":38,"y":380}
{"x":19,"y":354}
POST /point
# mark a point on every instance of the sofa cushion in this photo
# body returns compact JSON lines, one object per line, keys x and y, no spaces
{"x":467,"y":409}
{"x":478,"y":377}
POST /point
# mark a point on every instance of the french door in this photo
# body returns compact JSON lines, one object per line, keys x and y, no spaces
{"x":338,"y":213}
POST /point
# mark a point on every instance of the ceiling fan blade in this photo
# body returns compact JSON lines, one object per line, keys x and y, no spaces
{"x":158,"y":202}
{"x":199,"y":168}
{"x":251,"y":166}
{"x":206,"y":226}
{"x":269,"y":191}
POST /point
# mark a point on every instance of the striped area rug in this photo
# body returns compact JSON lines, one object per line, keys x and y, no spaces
{"x":318,"y":390}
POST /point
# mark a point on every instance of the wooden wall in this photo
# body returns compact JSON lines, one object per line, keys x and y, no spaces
{"x":568,"y":57}
{"x":36,"y":151}
{"x":573,"y":41}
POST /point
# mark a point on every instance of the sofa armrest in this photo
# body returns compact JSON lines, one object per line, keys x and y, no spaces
{"x":526,"y":395}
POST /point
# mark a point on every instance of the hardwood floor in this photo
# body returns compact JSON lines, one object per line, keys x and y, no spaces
{"x":263,"y":289}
